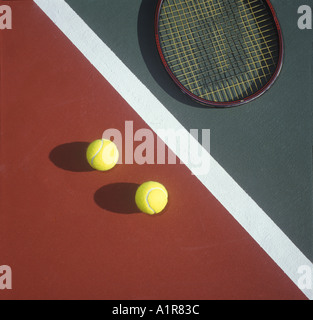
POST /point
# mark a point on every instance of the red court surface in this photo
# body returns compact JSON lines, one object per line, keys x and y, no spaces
{"x":72,"y":233}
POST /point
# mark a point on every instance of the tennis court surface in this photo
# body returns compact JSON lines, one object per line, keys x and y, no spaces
{"x":72,"y":70}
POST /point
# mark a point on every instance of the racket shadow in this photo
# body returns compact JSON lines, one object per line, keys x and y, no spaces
{"x":145,"y":30}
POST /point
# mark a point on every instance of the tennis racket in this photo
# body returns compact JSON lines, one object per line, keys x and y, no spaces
{"x":220,"y":52}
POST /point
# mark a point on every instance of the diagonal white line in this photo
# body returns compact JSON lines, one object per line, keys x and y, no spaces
{"x":239,"y":204}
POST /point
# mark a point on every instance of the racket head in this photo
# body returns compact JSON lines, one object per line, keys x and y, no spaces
{"x":270,"y":36}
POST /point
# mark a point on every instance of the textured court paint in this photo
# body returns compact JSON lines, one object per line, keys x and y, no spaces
{"x":218,"y":182}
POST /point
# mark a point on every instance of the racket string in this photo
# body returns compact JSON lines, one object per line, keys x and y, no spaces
{"x":219,"y":50}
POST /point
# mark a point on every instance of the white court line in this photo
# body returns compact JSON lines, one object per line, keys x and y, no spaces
{"x":239,"y":204}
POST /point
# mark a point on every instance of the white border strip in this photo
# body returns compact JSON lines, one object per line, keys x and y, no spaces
{"x":277,"y":245}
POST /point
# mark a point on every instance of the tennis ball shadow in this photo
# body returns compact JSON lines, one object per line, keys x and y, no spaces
{"x":71,"y":157}
{"x":117,"y":198}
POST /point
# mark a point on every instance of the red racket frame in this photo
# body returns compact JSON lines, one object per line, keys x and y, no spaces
{"x":232,"y":103}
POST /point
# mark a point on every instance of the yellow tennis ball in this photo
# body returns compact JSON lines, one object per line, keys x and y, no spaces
{"x":102,"y":154}
{"x":151,"y":197}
